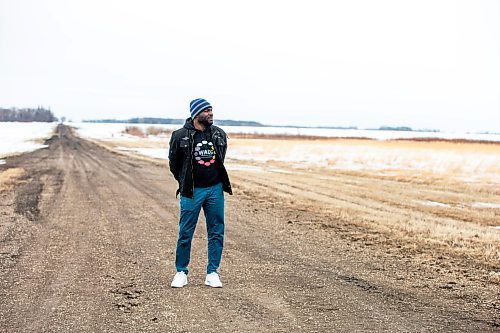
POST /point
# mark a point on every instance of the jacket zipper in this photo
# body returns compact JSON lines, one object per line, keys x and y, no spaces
{"x":192,"y":167}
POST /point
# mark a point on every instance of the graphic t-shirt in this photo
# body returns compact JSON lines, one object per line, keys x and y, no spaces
{"x":205,"y":169}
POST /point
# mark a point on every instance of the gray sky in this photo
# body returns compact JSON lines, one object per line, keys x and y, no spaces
{"x":424,"y":64}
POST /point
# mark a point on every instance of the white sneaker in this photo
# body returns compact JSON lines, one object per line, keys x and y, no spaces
{"x":213,"y":280}
{"x":180,"y":280}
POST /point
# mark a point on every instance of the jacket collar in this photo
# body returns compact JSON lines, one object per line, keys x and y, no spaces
{"x":189,"y":125}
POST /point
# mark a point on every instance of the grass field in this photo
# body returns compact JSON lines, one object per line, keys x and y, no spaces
{"x":441,"y":196}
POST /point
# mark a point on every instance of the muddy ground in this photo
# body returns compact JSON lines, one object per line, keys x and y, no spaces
{"x":87,"y":239}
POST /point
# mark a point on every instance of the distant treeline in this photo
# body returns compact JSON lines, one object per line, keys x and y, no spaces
{"x":322,"y":127}
{"x":405,"y":128}
{"x":138,"y":121}
{"x":174,"y":121}
{"x":248,"y":123}
{"x":27,"y":115}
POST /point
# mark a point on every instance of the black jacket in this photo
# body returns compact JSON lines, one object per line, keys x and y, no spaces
{"x":180,"y":157}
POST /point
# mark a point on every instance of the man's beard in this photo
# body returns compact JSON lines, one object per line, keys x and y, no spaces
{"x":206,"y":121}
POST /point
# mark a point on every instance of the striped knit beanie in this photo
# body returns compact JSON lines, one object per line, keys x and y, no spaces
{"x":198,"y":105}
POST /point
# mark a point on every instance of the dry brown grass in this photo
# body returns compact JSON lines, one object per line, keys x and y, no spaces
{"x":290,"y":137}
{"x":333,"y":139}
{"x":440,"y":145}
{"x":10,"y":178}
{"x":391,"y":209}
{"x":478,"y":142}
{"x":426,"y":161}
{"x":428,"y":208}
{"x":158,"y":131}
{"x":135,"y":131}
{"x":151,"y":130}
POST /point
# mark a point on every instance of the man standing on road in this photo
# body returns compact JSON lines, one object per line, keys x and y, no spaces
{"x":196,"y":159}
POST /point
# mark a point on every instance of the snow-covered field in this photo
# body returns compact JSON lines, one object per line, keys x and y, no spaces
{"x":371,"y":134}
{"x":466,"y":162}
{"x":16,"y":137}
{"x":108,"y":131}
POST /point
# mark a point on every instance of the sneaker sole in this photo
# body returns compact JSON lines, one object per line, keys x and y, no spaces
{"x":185,"y":284}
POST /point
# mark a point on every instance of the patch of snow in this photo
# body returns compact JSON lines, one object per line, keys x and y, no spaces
{"x":19,"y":137}
{"x":485,"y":205}
{"x":241,"y":167}
{"x":433,"y":203}
{"x":279,"y":170}
{"x":2,"y":162}
{"x":495,"y":227}
{"x":161,"y":153}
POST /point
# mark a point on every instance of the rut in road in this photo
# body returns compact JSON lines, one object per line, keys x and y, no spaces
{"x":98,"y":256}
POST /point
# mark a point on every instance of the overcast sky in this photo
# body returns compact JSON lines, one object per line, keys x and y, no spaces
{"x":424,"y":64}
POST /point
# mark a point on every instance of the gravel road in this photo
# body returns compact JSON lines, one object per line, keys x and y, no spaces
{"x":87,"y":243}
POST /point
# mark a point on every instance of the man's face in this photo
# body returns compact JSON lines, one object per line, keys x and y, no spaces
{"x":206,"y":117}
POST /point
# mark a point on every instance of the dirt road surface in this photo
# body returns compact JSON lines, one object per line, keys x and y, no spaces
{"x":87,"y":240}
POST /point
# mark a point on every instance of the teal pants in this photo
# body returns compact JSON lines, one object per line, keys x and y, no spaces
{"x":212,"y":201}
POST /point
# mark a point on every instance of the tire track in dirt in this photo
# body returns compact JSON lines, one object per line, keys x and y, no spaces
{"x":356,"y":205}
{"x":382,"y":197}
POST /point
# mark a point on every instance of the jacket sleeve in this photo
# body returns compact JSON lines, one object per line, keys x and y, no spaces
{"x":223,"y":146}
{"x":224,"y":149}
{"x":173,"y":157}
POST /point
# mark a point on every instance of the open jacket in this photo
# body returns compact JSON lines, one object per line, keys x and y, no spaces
{"x":180,"y":157}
